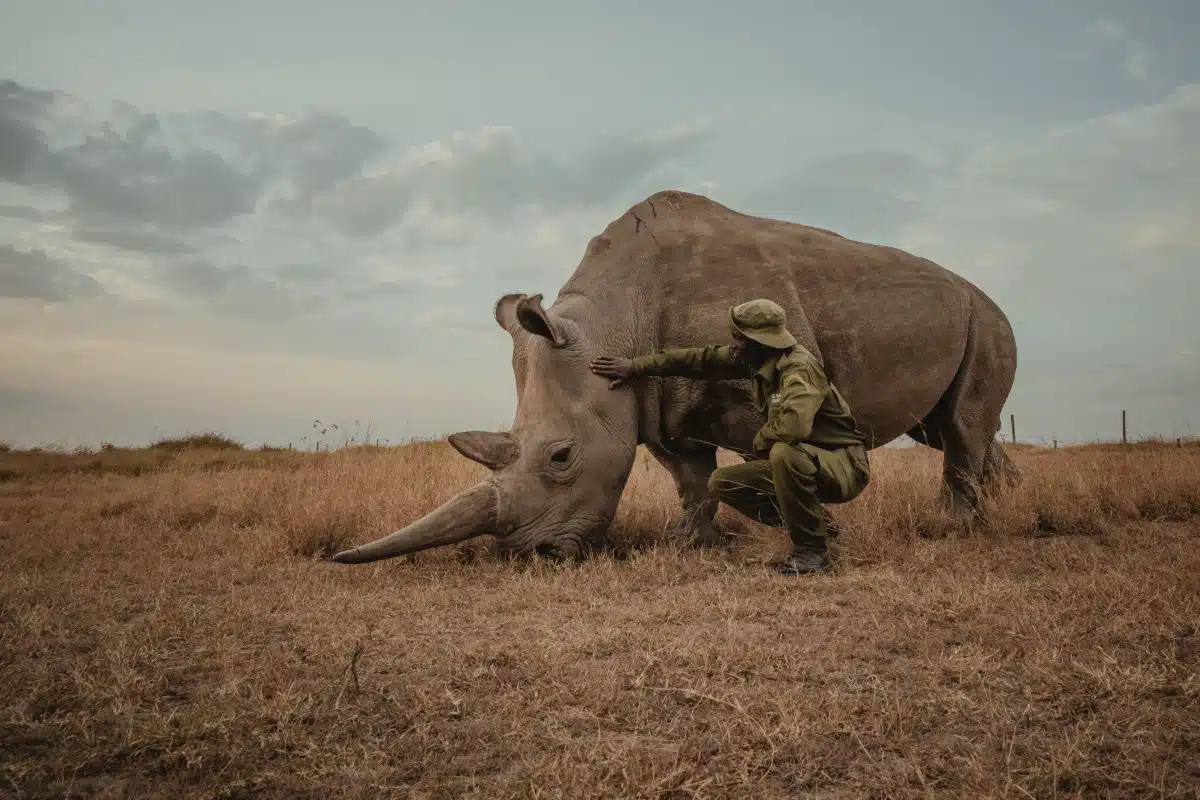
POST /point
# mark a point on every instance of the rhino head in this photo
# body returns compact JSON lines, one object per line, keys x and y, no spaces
{"x":558,"y":473}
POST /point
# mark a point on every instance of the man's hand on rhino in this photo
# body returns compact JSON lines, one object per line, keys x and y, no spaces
{"x":617,"y":370}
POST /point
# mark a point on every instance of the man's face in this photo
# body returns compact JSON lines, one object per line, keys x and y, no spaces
{"x":743,"y":349}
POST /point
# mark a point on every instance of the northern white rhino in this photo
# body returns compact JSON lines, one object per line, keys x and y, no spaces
{"x":913,"y":347}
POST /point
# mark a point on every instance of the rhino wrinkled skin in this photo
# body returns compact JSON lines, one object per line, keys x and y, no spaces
{"x":913,"y":347}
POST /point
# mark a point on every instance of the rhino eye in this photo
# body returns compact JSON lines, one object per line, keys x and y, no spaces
{"x":561,"y":455}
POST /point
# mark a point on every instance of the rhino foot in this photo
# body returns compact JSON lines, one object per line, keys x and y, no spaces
{"x":696,"y":531}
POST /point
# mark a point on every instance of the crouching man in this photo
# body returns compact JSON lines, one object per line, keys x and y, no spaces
{"x":809,"y":452}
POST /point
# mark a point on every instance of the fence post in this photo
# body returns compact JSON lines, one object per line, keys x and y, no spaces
{"x":1056,"y":444}
{"x":1124,"y":439}
{"x":1012,"y":426}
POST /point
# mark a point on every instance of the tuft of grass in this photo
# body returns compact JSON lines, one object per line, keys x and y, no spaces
{"x":170,"y":626}
{"x":199,"y":441}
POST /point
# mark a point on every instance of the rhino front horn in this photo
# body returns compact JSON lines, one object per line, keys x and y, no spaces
{"x":468,"y":514}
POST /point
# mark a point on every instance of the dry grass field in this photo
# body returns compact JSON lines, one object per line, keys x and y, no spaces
{"x":170,"y":628}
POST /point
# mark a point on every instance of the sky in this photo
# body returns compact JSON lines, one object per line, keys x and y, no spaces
{"x":267,"y":218}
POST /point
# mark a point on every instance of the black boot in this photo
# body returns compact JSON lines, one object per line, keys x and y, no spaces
{"x":811,"y":558}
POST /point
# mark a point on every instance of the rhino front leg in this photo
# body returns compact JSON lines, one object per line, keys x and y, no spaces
{"x":691,"y":464}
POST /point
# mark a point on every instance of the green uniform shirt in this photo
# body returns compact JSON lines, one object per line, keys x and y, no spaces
{"x":791,"y":389}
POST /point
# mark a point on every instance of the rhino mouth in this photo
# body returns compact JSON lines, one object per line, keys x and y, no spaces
{"x":562,"y":548}
{"x":555,"y":547}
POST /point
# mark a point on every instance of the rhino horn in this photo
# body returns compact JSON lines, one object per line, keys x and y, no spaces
{"x":470,"y":513}
{"x":493,"y":450}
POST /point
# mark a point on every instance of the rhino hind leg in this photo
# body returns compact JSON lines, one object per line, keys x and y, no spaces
{"x":999,"y":469}
{"x":690,"y":466}
{"x":964,"y":423}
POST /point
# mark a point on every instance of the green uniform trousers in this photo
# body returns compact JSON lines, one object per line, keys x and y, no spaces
{"x":788,"y":487}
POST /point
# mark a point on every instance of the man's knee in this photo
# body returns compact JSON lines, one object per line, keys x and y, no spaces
{"x":723,"y":481}
{"x":797,"y":463}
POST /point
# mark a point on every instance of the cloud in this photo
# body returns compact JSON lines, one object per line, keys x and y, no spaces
{"x":137,"y":241}
{"x":179,"y":172}
{"x":21,"y":142}
{"x":234,"y":289}
{"x":27,"y":213}
{"x":183,"y":173}
{"x":270,"y":216}
{"x":1091,"y":205}
{"x":1103,"y":189}
{"x":33,"y":275}
{"x":489,"y":175}
{"x":305,"y":157}
{"x":1110,"y":35}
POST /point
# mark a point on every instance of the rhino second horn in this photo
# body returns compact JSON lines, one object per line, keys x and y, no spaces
{"x":468,"y":514}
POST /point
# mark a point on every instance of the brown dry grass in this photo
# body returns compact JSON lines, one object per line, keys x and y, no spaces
{"x":168,"y":630}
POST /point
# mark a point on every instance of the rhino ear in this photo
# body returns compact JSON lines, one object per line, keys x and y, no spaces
{"x":506,"y":311}
{"x":493,"y":450}
{"x":534,"y":319}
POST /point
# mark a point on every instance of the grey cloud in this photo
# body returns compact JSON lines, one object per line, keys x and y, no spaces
{"x":306,"y":273}
{"x":21,"y":148}
{"x":23,"y":102}
{"x":177,"y":171}
{"x":491,"y":175}
{"x":325,"y":150}
{"x":1110,"y":35}
{"x":135,"y":178}
{"x":287,"y":291}
{"x":331,"y":281}
{"x":187,"y":173}
{"x":34,"y":275}
{"x":136,"y":241}
{"x":234,"y":289}
{"x":1142,"y":161}
{"x":199,"y":277}
{"x":27,"y":213}
{"x":366,"y":207}
{"x":1085,"y":188}
{"x":421,"y":237}
{"x":22,"y":144}
{"x":314,"y":154}
{"x":381,"y":290}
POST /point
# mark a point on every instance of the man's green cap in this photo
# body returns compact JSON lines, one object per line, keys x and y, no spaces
{"x":763,"y":321}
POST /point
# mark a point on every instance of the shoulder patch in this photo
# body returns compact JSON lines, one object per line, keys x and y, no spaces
{"x":795,"y":378}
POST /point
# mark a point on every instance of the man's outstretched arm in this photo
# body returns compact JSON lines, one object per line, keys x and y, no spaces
{"x":713,"y":362}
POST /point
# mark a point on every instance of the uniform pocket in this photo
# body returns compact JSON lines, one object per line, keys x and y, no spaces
{"x":839,"y":479}
{"x":861,"y":462}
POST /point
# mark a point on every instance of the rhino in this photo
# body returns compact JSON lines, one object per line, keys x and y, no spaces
{"x":914,"y":348}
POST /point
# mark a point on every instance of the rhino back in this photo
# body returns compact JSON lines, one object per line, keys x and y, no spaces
{"x":889,"y":327}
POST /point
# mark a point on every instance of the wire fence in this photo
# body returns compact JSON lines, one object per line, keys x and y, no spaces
{"x":1009,"y":434}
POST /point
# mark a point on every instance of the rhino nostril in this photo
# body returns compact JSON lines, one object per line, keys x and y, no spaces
{"x":546,"y":550}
